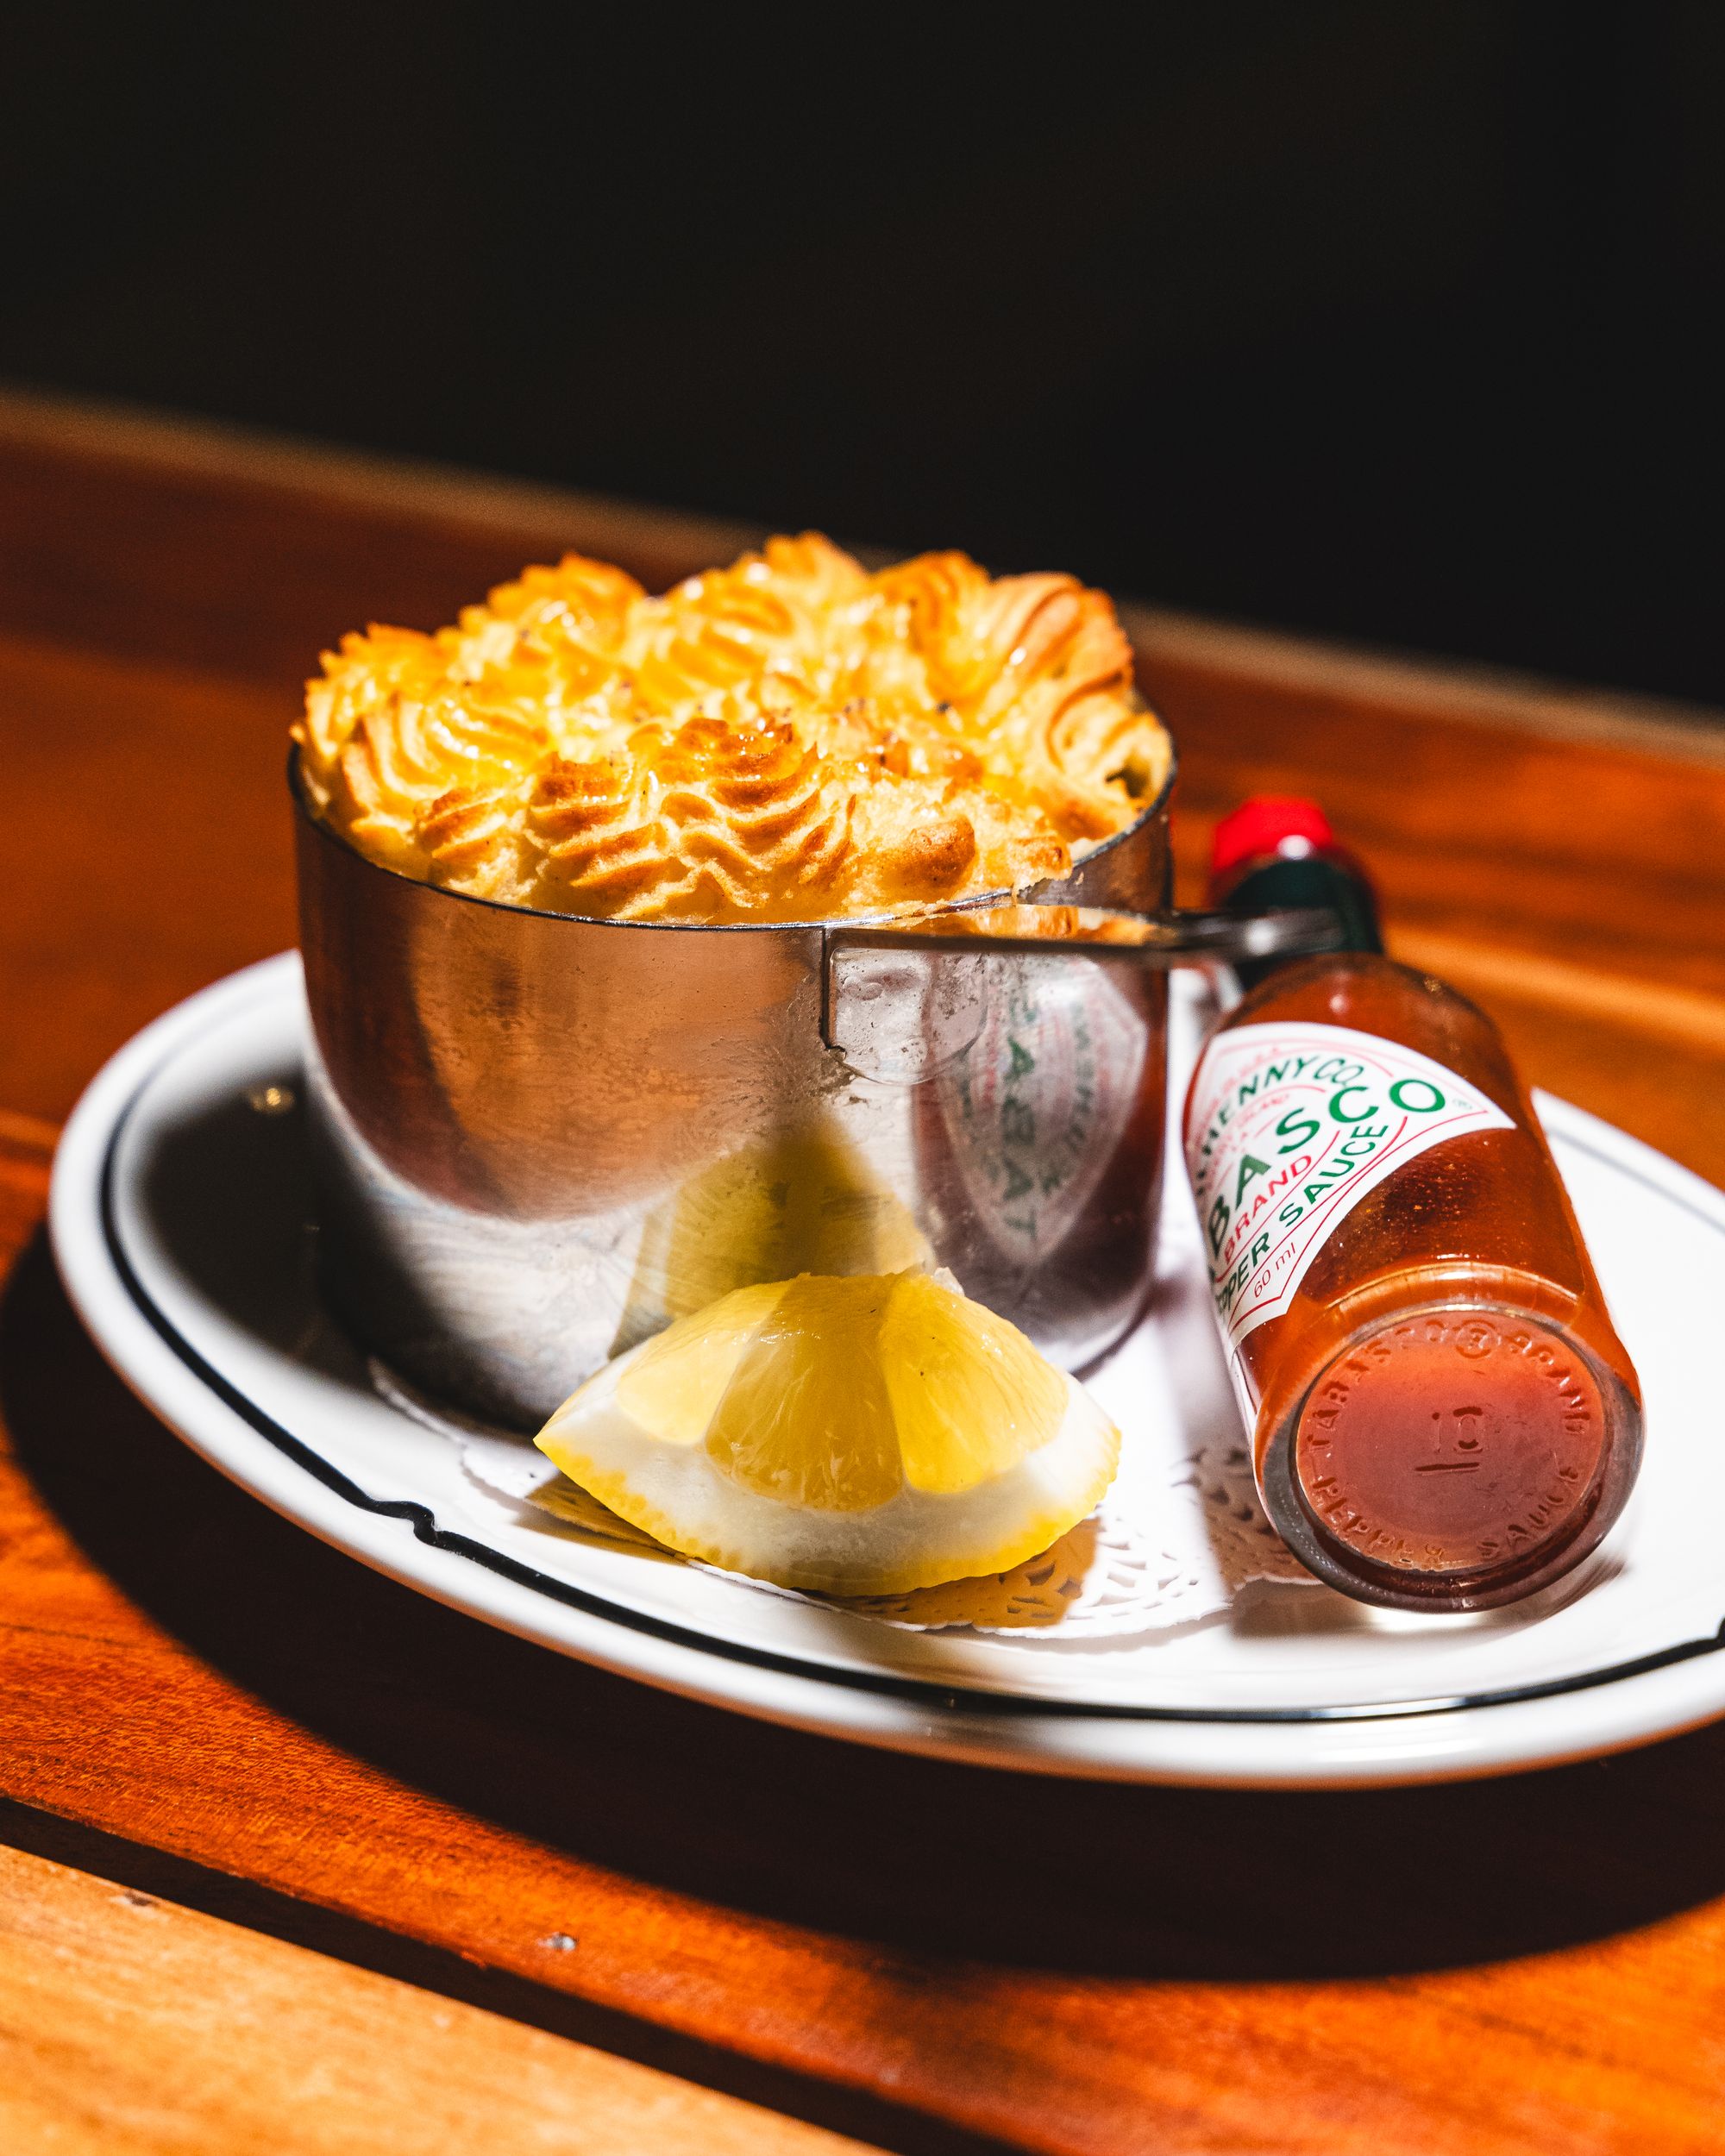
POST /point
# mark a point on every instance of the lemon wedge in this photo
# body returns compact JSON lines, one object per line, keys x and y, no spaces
{"x":859,"y":1436}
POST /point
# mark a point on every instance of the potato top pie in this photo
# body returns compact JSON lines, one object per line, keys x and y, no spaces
{"x":787,"y":739}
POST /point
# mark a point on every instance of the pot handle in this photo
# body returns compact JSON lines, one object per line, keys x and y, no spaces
{"x":898,"y":1002}
{"x":1174,"y":937}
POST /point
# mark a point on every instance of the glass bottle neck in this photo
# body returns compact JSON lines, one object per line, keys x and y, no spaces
{"x":1306,"y":880}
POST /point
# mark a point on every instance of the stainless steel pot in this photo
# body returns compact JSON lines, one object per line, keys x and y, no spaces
{"x":538,"y":1139}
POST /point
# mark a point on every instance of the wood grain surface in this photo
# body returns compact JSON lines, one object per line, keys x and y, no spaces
{"x":127,"y":2024}
{"x":1536,"y":1963}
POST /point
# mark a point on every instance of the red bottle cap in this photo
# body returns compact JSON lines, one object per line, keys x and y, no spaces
{"x":1259,"y":828}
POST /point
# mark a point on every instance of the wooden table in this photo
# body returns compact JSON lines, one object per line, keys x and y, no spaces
{"x":298,"y":1858}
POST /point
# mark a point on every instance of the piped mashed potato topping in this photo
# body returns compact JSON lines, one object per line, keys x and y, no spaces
{"x":790,"y":738}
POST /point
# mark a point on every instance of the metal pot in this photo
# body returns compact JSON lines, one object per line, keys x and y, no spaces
{"x":538,"y":1139}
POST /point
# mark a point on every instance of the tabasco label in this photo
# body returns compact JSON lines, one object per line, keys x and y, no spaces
{"x":1036,"y":1106}
{"x":1287,"y":1126}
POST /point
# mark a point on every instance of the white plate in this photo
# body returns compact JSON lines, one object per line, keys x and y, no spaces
{"x":179,"y":1221}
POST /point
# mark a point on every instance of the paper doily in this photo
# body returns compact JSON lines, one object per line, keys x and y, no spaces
{"x":1176,"y":1538}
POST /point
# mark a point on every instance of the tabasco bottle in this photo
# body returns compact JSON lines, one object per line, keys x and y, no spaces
{"x":1443,"y":1417}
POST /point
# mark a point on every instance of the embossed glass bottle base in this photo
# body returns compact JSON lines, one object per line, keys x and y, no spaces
{"x":1451,"y":1458}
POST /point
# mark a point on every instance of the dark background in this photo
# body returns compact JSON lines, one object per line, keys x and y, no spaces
{"x":1391,"y":319}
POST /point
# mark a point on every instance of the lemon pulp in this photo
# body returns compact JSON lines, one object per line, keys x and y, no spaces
{"x":807,"y":1419}
{"x":971,"y":1395}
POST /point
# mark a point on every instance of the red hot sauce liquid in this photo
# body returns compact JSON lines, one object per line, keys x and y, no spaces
{"x":1445,"y":1417}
